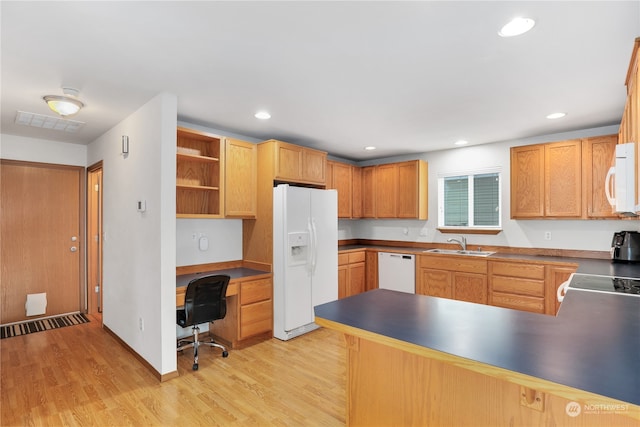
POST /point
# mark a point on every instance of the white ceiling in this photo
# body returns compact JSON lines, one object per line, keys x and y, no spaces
{"x":407,"y":77}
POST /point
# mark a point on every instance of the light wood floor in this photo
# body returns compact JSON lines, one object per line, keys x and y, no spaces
{"x":80,"y":376}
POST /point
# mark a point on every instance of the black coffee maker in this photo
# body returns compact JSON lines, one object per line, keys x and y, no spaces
{"x":625,"y":246}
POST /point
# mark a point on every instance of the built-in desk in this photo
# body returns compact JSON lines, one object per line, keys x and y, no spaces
{"x":249,"y":317}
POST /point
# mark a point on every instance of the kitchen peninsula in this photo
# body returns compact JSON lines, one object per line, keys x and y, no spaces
{"x":420,"y":360}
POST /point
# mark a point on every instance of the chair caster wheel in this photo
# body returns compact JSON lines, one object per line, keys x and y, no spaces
{"x":225,"y":353}
{"x":195,"y":366}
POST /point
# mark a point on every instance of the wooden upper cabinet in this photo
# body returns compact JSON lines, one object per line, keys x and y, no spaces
{"x":356,"y":192}
{"x":598,"y":155}
{"x":563,"y":179}
{"x":412,"y":190}
{"x":527,"y":181}
{"x":387,"y":191}
{"x":369,"y":191}
{"x":339,"y":177}
{"x":630,"y":124}
{"x":241,"y":169}
{"x":297,"y":164}
{"x":199,"y":174}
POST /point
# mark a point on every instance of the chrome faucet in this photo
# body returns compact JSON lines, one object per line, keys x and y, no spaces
{"x":462,"y":242}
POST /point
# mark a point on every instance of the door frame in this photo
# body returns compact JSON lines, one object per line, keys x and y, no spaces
{"x":94,"y":222}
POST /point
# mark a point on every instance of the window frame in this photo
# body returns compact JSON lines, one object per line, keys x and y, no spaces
{"x":470,"y":174}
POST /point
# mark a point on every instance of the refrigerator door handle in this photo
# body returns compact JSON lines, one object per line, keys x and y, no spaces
{"x":314,"y":245}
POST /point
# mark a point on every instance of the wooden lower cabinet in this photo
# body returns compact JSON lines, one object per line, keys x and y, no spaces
{"x":525,"y":285}
{"x":460,"y":278}
{"x":351,"y":273}
{"x":249,"y":314}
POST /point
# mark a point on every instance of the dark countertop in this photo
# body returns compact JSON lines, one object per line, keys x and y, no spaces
{"x":234,"y":273}
{"x":603,"y":267}
{"x":592,"y":344}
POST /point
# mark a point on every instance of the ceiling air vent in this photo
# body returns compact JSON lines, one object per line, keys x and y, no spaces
{"x":48,"y":122}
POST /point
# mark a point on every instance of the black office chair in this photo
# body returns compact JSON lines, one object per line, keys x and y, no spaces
{"x":205,"y":301}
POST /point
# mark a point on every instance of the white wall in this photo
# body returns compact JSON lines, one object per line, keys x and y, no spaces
{"x":139,"y":257}
{"x":42,"y":151}
{"x":225,"y":240}
{"x":566,"y":234}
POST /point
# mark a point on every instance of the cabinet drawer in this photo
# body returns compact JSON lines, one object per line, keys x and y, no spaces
{"x":255,"y":318}
{"x":460,"y":263}
{"x":517,"y":269}
{"x":255,"y":290}
{"x":356,"y":257}
{"x":518,"y":302}
{"x":343,"y":259}
{"x":514,"y":285}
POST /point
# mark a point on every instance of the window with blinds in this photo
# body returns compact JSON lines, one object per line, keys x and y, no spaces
{"x":471,"y":200}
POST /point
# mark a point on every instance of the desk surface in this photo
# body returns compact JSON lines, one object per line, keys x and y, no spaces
{"x":235,"y":274}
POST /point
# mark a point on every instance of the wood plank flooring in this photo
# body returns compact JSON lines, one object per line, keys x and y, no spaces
{"x":81,"y":376}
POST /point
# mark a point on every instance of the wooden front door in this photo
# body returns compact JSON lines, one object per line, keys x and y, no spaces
{"x":40,"y":237}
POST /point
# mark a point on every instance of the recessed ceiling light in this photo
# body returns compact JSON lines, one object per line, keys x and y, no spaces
{"x":516,"y":27}
{"x":556,"y":115}
{"x":370,"y":148}
{"x":461,"y":142}
{"x":262,"y":115}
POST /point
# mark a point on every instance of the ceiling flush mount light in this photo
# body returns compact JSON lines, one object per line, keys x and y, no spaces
{"x":370,"y":148}
{"x":65,"y":105}
{"x":516,"y":27}
{"x":556,"y":116}
{"x":262,"y":115}
{"x":461,"y":142}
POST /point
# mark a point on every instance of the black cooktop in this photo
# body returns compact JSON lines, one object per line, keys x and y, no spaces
{"x":610,"y":284}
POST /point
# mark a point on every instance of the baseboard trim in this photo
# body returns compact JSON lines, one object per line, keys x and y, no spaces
{"x":161,"y":377}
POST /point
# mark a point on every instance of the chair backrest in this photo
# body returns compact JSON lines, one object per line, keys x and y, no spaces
{"x":206,"y":299}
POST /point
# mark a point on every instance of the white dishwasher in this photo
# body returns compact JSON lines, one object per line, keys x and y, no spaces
{"x":397,"y":272}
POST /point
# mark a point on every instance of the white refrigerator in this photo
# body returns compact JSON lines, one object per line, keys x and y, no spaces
{"x":305,"y":256}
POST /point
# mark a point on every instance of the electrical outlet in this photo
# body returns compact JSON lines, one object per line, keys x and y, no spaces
{"x":547,"y":235}
{"x":141,"y":324}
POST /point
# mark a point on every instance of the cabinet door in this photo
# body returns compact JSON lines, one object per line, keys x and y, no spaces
{"x":288,"y":161}
{"x":598,"y":155}
{"x":329,"y":184}
{"x":387,"y":191}
{"x":527,"y":182}
{"x":435,"y":283}
{"x":563,"y":179}
{"x":356,"y":192}
{"x":356,"y":279}
{"x":342,"y":182}
{"x":470,"y":287}
{"x":241,"y":169}
{"x":556,"y":276}
{"x":412,"y":190}
{"x":313,"y":166}
{"x":369,"y":192}
{"x":343,"y":272}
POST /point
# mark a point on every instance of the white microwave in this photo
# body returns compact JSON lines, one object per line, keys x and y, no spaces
{"x":620,"y":184}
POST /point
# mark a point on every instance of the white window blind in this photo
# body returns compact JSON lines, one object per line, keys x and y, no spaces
{"x":469,"y":200}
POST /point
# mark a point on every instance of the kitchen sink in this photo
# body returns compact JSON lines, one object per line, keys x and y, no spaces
{"x":459,"y":252}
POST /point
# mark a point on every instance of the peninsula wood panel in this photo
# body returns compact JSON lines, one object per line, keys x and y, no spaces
{"x":241,"y":179}
{"x":40,"y":206}
{"x":387,"y":386}
{"x":563,"y":179}
{"x":598,"y":155}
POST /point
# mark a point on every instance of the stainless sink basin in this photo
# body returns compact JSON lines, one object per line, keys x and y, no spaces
{"x":459,"y":252}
